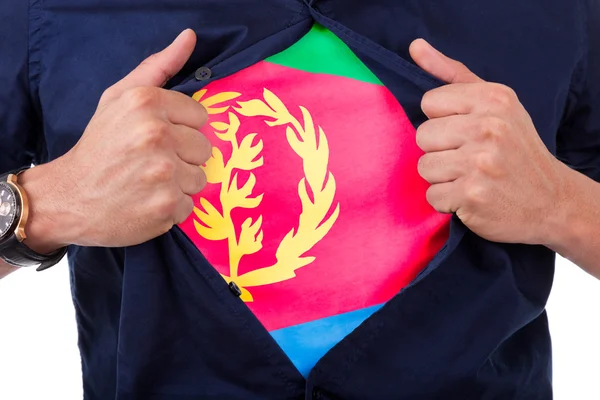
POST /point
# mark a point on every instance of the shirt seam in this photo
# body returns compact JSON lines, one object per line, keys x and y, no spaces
{"x":578,"y":77}
{"x":584,"y":44}
{"x":33,"y":60}
{"x":34,"y":29}
{"x":28,"y":83}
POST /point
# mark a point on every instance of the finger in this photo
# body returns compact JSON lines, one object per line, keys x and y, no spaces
{"x":460,"y":98}
{"x":446,"y":133}
{"x":439,"y":65}
{"x":157,"y":69}
{"x":185,"y":207}
{"x":442,"y":166}
{"x":191,"y":146}
{"x":442,"y":197}
{"x":190,"y":178}
{"x":182,"y":110}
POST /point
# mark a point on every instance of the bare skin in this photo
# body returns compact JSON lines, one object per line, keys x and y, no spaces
{"x":483,"y":158}
{"x":486,"y":162}
{"x":5,"y":269}
{"x":131,"y":176}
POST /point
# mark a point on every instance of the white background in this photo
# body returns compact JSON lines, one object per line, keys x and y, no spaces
{"x":39,"y":359}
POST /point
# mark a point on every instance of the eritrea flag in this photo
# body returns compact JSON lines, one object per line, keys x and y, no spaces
{"x":314,"y":206}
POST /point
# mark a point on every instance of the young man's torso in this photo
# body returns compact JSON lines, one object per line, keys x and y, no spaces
{"x":326,"y":212}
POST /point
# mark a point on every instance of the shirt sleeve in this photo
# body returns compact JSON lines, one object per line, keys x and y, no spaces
{"x":20,"y":143}
{"x":578,"y":143}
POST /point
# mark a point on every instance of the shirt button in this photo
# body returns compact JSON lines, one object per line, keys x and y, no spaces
{"x":203,"y":73}
{"x":235,"y":289}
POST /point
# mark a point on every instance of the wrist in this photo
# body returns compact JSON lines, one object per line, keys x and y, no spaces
{"x":563,"y":224}
{"x":50,"y":225}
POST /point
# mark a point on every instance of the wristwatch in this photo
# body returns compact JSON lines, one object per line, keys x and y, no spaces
{"x":14,"y":210}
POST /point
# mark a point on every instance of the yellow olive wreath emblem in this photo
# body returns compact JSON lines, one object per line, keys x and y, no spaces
{"x":315,"y":221}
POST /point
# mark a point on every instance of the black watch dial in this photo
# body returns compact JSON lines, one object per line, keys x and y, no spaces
{"x":8,"y":209}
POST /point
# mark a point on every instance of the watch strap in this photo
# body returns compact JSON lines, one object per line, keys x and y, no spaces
{"x":17,"y":254}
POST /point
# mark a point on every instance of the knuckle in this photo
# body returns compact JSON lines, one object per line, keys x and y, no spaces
{"x":427,"y":101}
{"x":422,"y":165}
{"x":502,"y":96}
{"x":203,"y":112}
{"x":500,"y":126}
{"x":429,"y":161}
{"x":152,"y":134}
{"x":166,"y":205}
{"x":140,"y":98}
{"x":436,"y":198}
{"x":153,"y":63}
{"x":150,"y":60}
{"x":188,"y":208}
{"x":195,"y":181}
{"x":421,"y":134}
{"x":185,"y":209}
{"x":108,"y":95}
{"x":165,"y":226}
{"x":200,"y":180}
{"x":430,"y":195}
{"x":493,"y":128}
{"x":474,"y":194}
{"x":464,"y":74}
{"x":486,"y":162}
{"x":161,"y":171}
{"x":205,"y":149}
{"x":200,"y":112}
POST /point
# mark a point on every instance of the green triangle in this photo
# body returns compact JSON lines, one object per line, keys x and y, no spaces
{"x":320,"y":51}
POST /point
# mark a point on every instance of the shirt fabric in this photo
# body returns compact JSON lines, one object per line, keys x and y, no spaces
{"x":157,"y":321}
{"x":303,"y":209}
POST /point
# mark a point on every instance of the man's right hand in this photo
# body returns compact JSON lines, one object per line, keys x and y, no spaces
{"x":131,"y":176}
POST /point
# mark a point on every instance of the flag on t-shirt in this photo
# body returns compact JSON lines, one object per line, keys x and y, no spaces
{"x":314,"y":205}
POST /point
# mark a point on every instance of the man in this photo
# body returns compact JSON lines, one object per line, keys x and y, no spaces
{"x":311,"y":201}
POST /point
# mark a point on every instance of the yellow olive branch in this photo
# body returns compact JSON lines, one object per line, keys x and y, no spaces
{"x":316,"y":218}
{"x":314,"y":223}
{"x":218,"y":170}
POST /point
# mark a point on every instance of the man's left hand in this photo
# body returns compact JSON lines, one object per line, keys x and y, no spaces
{"x":483,"y":157}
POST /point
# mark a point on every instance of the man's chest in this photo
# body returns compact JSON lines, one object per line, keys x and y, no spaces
{"x":84,"y":48}
{"x":312,"y":184}
{"x":78,"y":50}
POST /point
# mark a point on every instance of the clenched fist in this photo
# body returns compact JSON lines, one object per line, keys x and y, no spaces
{"x":484,"y":159}
{"x":131,"y":176}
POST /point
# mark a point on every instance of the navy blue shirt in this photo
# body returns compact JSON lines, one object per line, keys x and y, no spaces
{"x":156,"y":321}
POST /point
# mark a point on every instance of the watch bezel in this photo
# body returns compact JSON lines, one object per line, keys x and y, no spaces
{"x":18,"y":211}
{"x":23,"y":207}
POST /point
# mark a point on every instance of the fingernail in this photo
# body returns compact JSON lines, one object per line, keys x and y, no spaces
{"x":181,"y":34}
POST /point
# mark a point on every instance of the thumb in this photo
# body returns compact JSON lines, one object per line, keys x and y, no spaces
{"x":439,"y":65}
{"x":157,"y":69}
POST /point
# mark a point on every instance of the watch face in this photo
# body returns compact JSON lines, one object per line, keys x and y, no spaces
{"x":8,"y":209}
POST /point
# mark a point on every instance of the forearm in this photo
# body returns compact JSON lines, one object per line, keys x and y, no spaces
{"x":46,"y":223}
{"x":574,"y":226}
{"x":5,"y":269}
{"x":50,"y":220}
